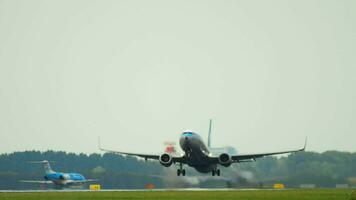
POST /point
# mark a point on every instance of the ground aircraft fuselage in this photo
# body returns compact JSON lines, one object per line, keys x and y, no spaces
{"x":64,"y":178}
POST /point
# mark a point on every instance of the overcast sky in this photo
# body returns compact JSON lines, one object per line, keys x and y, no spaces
{"x":137,"y":73}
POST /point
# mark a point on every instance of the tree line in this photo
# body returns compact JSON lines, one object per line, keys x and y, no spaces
{"x":125,"y":172}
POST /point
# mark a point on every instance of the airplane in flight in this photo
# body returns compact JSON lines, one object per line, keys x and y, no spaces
{"x":199,"y":156}
{"x":59,"y":178}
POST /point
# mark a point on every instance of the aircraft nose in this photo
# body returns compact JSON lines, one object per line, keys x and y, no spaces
{"x":184,"y":140}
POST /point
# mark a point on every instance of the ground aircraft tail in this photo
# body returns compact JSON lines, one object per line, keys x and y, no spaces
{"x":46,"y":166}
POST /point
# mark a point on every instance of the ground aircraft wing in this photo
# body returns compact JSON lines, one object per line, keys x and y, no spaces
{"x":32,"y":181}
{"x":91,"y":180}
{"x":247,"y":157}
{"x":82,"y":181}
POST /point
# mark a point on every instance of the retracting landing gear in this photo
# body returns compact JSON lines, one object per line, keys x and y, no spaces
{"x":215,"y":172}
{"x":180,"y":171}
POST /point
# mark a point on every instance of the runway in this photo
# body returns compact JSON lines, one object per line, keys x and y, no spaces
{"x":131,"y":190}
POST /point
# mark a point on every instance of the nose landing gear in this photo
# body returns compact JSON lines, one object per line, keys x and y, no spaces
{"x":180,"y":171}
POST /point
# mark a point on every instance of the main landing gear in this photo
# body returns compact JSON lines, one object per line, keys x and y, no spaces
{"x":180,"y":171}
{"x":215,"y":172}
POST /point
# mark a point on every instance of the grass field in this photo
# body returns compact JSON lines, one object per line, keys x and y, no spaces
{"x":318,"y":194}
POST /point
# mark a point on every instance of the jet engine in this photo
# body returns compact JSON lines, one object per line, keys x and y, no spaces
{"x":225,"y":159}
{"x":64,"y":176}
{"x":165,"y":159}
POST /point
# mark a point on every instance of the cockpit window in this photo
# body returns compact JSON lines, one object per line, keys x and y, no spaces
{"x":187,"y":133}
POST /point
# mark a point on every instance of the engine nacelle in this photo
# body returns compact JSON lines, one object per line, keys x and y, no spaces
{"x":166,"y":159}
{"x":225,"y":159}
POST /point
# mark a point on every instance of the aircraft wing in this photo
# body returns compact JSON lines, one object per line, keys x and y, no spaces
{"x":145,"y":156}
{"x":249,"y":157}
{"x":179,"y":159}
{"x":252,"y":157}
{"x":33,"y":181}
{"x":244,"y":157}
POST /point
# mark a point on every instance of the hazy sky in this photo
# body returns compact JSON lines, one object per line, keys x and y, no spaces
{"x":137,"y":73}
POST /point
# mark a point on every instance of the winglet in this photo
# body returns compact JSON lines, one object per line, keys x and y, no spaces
{"x":305,"y":143}
{"x":99,"y":144}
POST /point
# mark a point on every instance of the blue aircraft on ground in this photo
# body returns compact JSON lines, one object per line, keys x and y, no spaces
{"x":59,"y":178}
